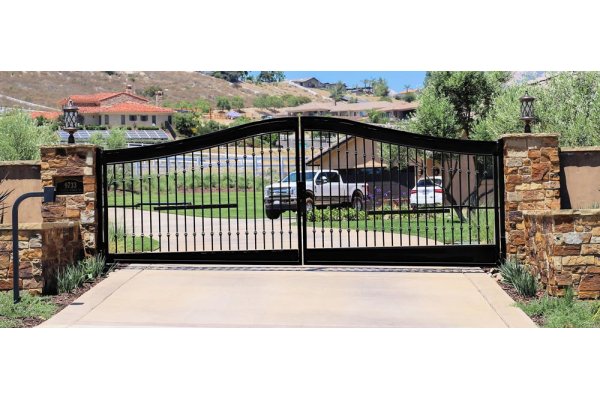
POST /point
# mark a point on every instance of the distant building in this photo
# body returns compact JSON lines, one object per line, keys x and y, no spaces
{"x":119,"y":109}
{"x":394,"y":110}
{"x":312,"y":83}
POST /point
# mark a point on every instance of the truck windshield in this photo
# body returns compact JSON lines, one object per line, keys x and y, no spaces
{"x":292,"y":177}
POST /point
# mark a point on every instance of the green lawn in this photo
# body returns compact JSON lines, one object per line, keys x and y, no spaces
{"x":248,"y":204}
{"x":130,"y":244}
{"x":445,"y":228}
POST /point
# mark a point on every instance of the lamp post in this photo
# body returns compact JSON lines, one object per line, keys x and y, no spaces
{"x":71,"y":114}
{"x":527,"y":111}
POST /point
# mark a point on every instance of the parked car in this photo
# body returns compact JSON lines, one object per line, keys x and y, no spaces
{"x":323,"y":188}
{"x":428,"y":192}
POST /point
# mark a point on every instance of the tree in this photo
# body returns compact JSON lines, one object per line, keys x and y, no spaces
{"x":231,"y":76}
{"x":204,"y":127}
{"x":116,"y":139}
{"x":223,"y":103}
{"x":236,"y":102}
{"x":185,"y":123}
{"x":380,"y":88}
{"x":270,"y":76}
{"x":337,"y":91}
{"x":202,"y":105}
{"x":568,"y":105}
{"x":151,"y":91}
{"x":409,"y":97}
{"x":21,"y":138}
{"x":469,"y":92}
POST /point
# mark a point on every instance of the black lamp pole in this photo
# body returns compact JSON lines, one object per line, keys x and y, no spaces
{"x":71,"y":114}
{"x":527,"y":114}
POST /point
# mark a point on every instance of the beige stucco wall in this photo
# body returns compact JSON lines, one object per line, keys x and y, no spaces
{"x":21,"y":177}
{"x":580,"y":176}
{"x":115,"y":120}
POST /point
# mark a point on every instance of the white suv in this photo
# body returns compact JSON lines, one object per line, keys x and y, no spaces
{"x":428,"y":192}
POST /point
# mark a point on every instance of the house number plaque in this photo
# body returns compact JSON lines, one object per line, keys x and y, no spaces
{"x":69,"y":185}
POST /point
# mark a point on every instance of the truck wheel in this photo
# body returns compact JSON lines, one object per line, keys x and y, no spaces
{"x":272,"y":214}
{"x":358,"y":203}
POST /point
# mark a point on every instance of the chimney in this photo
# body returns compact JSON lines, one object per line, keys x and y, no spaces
{"x":129,"y":89}
{"x":159,"y":97}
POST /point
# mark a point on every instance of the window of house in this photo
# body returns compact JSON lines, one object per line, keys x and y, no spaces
{"x":122,"y":120}
{"x":106,"y":120}
{"x":133,"y":118}
{"x":143,"y":118}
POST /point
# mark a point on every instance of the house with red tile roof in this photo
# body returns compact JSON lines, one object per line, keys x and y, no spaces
{"x":116,"y":109}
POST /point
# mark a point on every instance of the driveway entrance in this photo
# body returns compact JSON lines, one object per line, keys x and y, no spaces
{"x":293,"y":296}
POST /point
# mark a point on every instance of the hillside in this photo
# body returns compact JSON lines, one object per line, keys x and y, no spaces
{"x":46,"y":88}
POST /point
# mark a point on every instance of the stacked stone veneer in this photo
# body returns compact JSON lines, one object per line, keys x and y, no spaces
{"x":65,"y":161}
{"x":44,"y":249}
{"x":564,"y":250}
{"x":532,"y":182}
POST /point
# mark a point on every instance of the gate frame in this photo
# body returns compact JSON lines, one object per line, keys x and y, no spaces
{"x":449,"y":255}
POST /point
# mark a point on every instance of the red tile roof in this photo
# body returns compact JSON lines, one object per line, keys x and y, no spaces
{"x":126,"y":108}
{"x":50,"y":115}
{"x":95,"y":98}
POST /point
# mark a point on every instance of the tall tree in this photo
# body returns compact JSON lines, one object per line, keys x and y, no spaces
{"x":337,"y":91}
{"x":380,"y":88}
{"x":469,"y":92}
{"x":569,"y":104}
{"x":271,"y":76}
{"x":231,"y":76}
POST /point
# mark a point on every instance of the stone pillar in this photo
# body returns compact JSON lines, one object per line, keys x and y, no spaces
{"x":532,"y":183}
{"x":72,"y":169}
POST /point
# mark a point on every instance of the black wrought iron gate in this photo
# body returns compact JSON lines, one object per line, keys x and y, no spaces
{"x":309,"y":190}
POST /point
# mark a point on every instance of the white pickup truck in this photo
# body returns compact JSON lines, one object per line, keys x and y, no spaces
{"x":323,"y":188}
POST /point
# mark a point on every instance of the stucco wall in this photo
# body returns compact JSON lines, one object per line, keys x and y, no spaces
{"x":21,"y":177}
{"x":115,"y":120}
{"x":580,"y":177}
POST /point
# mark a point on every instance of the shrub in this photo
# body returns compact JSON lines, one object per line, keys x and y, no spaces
{"x":75,"y":275}
{"x":517,"y":275}
{"x":21,"y":138}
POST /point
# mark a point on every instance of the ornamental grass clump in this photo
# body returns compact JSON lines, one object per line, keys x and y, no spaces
{"x":516,"y":274}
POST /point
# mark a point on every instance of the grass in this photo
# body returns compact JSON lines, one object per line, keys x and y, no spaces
{"x":444,"y":228}
{"x":564,"y":312}
{"x":12,"y":315}
{"x":119,"y":243}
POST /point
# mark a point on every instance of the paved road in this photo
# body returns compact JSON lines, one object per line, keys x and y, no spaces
{"x":170,"y":296}
{"x":247,"y":234}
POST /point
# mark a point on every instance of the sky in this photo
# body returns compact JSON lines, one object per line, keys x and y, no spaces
{"x":395,"y":80}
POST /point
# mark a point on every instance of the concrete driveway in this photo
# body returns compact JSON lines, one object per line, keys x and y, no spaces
{"x":175,"y":296}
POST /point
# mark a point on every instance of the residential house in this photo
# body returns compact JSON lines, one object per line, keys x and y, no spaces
{"x":393,"y":110}
{"x":119,"y":109}
{"x":312,"y":83}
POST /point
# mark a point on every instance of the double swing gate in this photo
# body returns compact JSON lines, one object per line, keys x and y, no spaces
{"x":307,"y":190}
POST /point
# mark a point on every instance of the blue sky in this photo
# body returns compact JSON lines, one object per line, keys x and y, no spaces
{"x":396,"y":80}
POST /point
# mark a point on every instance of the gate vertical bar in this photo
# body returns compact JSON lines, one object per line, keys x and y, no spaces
{"x":301,"y":189}
{"x":101,"y":242}
{"x":499,"y":201}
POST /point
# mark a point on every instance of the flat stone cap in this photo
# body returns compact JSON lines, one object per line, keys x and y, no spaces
{"x":576,"y":213}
